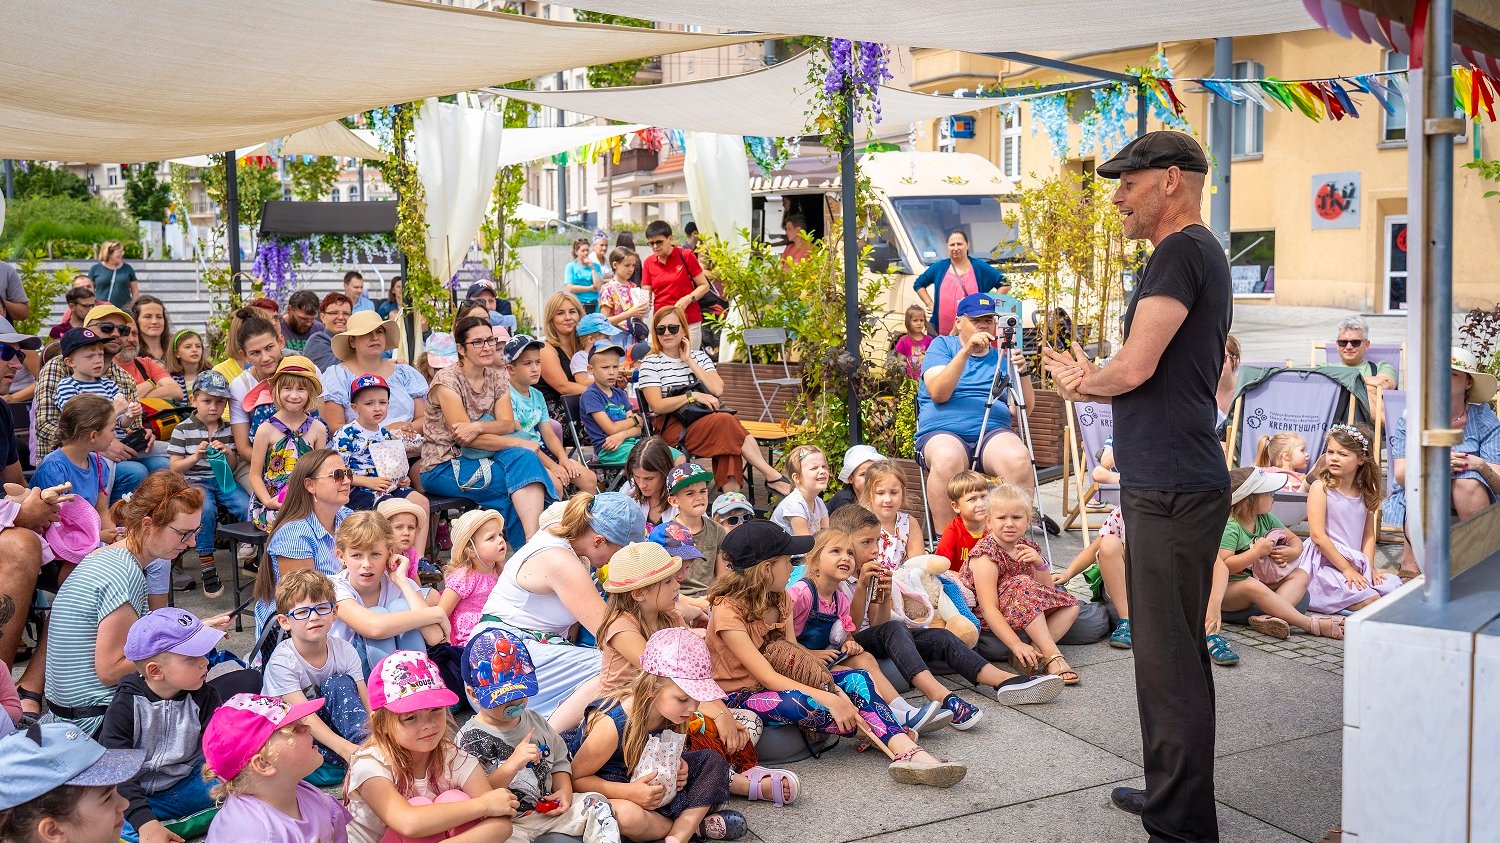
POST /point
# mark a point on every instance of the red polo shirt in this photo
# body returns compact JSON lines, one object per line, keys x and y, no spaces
{"x":672,"y":280}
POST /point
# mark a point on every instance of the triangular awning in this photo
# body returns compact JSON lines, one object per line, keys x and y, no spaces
{"x":180,"y":78}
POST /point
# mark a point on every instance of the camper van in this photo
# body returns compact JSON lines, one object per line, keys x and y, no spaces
{"x":922,"y":195}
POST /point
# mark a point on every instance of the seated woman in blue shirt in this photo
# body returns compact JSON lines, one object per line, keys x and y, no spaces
{"x":957,"y":374}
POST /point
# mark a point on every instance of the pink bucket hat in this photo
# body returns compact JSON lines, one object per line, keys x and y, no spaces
{"x":76,"y":533}
{"x":407,"y":681}
{"x":681,"y":656}
{"x":242,"y":725}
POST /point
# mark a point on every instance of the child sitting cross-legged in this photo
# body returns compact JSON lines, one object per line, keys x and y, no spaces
{"x":410,"y":782}
{"x":479,"y":551}
{"x":261,"y":749}
{"x":608,"y":419}
{"x":310,"y":664}
{"x":529,"y":411}
{"x":675,"y":677}
{"x":370,"y":397}
{"x":380,"y":610}
{"x":687,"y":492}
{"x":519,"y":751}
{"x":163,"y":708}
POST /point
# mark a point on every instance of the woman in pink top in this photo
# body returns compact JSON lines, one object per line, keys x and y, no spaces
{"x":953,"y":278}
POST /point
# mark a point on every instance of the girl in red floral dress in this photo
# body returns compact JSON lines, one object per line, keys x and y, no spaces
{"x":1013,"y":584}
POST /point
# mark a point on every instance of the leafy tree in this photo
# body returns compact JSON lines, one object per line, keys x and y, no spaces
{"x":257,"y":186}
{"x":1489,"y":171}
{"x":147,"y":197}
{"x":312,"y":178}
{"x":620,"y":73}
{"x":39,"y":180}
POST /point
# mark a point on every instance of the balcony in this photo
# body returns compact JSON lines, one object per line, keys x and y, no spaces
{"x":640,"y":160}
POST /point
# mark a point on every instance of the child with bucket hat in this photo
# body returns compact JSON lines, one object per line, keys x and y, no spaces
{"x":410,"y":782}
{"x":675,"y":678}
{"x":260,"y":750}
{"x":56,"y":776}
{"x":479,"y":552}
{"x":517,"y":748}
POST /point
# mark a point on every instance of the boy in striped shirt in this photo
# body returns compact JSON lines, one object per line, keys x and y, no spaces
{"x":83,"y":354}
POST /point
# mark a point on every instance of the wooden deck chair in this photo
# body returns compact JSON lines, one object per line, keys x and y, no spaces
{"x":1089,"y":425}
{"x":1392,"y":408}
{"x":1380,"y":352}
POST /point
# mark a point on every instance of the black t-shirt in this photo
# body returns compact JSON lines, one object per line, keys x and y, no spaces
{"x":1164,"y":428}
{"x":10,"y":449}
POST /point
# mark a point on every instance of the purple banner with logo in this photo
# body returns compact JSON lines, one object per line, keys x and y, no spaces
{"x":1289,"y":401}
{"x":1096,"y":423}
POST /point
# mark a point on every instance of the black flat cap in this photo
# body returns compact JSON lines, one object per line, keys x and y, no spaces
{"x":1156,"y":151}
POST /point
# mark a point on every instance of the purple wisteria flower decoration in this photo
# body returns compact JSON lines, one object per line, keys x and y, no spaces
{"x":857,"y":69}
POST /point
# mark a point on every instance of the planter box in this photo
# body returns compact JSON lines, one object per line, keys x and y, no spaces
{"x":740,"y":393}
{"x":1047,"y":428}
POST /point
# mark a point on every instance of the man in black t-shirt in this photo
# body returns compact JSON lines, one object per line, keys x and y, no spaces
{"x":1174,"y":484}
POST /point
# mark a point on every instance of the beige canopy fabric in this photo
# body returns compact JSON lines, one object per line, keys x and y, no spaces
{"x":772,"y":102}
{"x":333,"y":138}
{"x":996,"y":25}
{"x":146,"y":80}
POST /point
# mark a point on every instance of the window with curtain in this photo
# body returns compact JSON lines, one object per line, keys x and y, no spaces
{"x":1249,"y":118}
{"x":1393,"y":126}
{"x":1010,"y":144}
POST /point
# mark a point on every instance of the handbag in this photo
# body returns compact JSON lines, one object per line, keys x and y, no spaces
{"x":689,"y":413}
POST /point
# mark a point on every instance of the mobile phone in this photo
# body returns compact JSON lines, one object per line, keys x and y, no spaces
{"x":836,"y":659}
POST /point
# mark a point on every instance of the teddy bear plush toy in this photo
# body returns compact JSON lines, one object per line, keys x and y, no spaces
{"x":928,"y":576}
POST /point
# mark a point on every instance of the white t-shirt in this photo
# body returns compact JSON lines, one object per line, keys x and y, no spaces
{"x":342,"y":591}
{"x":369,"y":763}
{"x":286,"y":671}
{"x":796,"y":504}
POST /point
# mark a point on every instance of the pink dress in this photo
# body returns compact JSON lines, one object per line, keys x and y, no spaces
{"x":913,"y":352}
{"x":474,"y":589}
{"x":1327,"y":592}
{"x":1022,"y":597}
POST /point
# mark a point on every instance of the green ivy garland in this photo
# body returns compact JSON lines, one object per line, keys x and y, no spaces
{"x":312,"y":176}
{"x":428,"y":295}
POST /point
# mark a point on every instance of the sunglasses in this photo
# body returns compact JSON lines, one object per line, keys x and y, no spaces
{"x":302,"y":613}
{"x":665,"y":330}
{"x":1350,"y":343}
{"x":338,"y":475}
{"x":109,"y":328}
{"x":734,"y":520}
{"x":9,"y":353}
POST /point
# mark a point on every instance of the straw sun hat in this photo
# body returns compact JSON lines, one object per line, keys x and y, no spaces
{"x":638,"y":565}
{"x":363,"y":323}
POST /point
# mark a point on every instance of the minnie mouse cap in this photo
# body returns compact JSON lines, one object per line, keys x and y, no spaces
{"x":407,"y":681}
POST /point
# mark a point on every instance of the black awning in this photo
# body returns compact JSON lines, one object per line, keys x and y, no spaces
{"x":300,"y":219}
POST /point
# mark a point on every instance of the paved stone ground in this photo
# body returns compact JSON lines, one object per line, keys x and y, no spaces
{"x":1043,"y":773}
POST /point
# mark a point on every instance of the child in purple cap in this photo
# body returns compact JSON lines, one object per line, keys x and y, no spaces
{"x":409,"y":781}
{"x":260,"y":749}
{"x":163,"y":708}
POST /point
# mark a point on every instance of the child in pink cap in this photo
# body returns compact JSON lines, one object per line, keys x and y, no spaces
{"x":260,"y":750}
{"x":410,"y":782}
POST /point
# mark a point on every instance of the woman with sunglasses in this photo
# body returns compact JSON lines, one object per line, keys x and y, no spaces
{"x":678,"y":382}
{"x":468,"y":453}
{"x":317,"y":497}
{"x":97,"y":603}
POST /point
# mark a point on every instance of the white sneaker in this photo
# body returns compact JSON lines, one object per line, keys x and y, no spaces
{"x":1025,"y":690}
{"x":599,"y":825}
{"x":246,"y":552}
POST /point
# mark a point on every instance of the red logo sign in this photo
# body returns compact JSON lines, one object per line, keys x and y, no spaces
{"x":1333,"y":201}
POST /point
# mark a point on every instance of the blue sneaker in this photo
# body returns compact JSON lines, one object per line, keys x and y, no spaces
{"x":929,"y":718}
{"x":965,"y":716}
{"x":1120,"y":638}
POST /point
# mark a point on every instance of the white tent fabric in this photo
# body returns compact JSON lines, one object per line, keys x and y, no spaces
{"x":717,"y":173}
{"x":523,"y":145}
{"x":176,"y":78}
{"x":456,"y":149}
{"x":533,"y":214}
{"x":332,"y":138}
{"x":997,"y":25}
{"x":772,"y":102}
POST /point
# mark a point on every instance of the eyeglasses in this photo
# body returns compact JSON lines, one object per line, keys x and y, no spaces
{"x":734,"y":520}
{"x":184,"y":536}
{"x":1350,"y":343}
{"x":654,"y":243}
{"x":338,"y":475}
{"x":302,"y":613}
{"x":665,"y":330}
{"x":108,"y":328}
{"x":486,"y":342}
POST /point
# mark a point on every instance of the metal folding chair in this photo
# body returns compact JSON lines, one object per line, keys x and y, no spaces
{"x":761,"y":338}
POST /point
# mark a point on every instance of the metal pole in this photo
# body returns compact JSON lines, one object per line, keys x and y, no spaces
{"x":851,"y":266}
{"x":1142,"y":107}
{"x":10,"y":179}
{"x":1222,"y":120}
{"x":360,"y":169}
{"x":1438,"y":128}
{"x":232,"y":220}
{"x":562,"y":167}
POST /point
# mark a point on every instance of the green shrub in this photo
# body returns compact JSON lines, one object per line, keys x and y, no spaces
{"x":33,"y":222}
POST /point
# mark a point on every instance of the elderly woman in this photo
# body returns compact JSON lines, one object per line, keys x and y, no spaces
{"x":360,"y":348}
{"x":546,"y":593}
{"x":317,"y":497}
{"x":674,"y":378}
{"x":97,"y":603}
{"x":1475,"y":462}
{"x":1353,"y":341}
{"x":953,"y":278}
{"x":468,"y":453}
{"x":958,"y":372}
{"x":333,"y":312}
{"x":114,"y":279}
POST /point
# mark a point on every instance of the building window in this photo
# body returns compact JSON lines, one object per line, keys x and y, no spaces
{"x":1010,"y":144}
{"x":112,"y":176}
{"x":945,"y":142}
{"x":1393,"y":126}
{"x":1249,"y":119}
{"x":334,"y":196}
{"x":353,"y":193}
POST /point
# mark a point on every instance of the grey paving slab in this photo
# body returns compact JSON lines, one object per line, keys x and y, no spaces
{"x":1293,"y":784}
{"x":1305,"y":700}
{"x":1011,"y":758}
{"x":1082,"y":816}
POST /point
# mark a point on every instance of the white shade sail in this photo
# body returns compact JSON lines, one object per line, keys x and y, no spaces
{"x":995,"y":25}
{"x":162,"y":80}
{"x":522,"y":145}
{"x":456,"y":148}
{"x":332,"y":138}
{"x":772,"y":102}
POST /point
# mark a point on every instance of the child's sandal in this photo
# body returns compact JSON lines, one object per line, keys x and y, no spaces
{"x":723,"y":825}
{"x":941,"y":773}
{"x":1327,"y":626}
{"x":1272,"y":626}
{"x":785,"y":786}
{"x":1064,"y":674}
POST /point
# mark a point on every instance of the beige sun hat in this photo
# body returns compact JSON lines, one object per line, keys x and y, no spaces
{"x":466,"y":525}
{"x":639,"y":564}
{"x":1484,"y":386}
{"x":363,"y":323}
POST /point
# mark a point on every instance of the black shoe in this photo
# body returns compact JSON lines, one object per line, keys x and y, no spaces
{"x":1131,"y":800}
{"x":212,"y":587}
{"x":1051,"y":526}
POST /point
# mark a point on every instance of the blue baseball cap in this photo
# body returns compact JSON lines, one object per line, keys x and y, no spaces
{"x":77,"y":338}
{"x":46,"y":756}
{"x":677,"y":540}
{"x":364,"y":382}
{"x":170,"y":630}
{"x":617,"y":518}
{"x":977,"y":304}
{"x":601,"y":346}
{"x":498,"y":668}
{"x":212,"y":383}
{"x":594,"y":323}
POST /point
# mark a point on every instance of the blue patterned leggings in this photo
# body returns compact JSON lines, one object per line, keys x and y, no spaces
{"x":798,"y":709}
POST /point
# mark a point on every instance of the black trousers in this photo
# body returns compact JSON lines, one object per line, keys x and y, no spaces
{"x":1174,"y":537}
{"x":913,"y":649}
